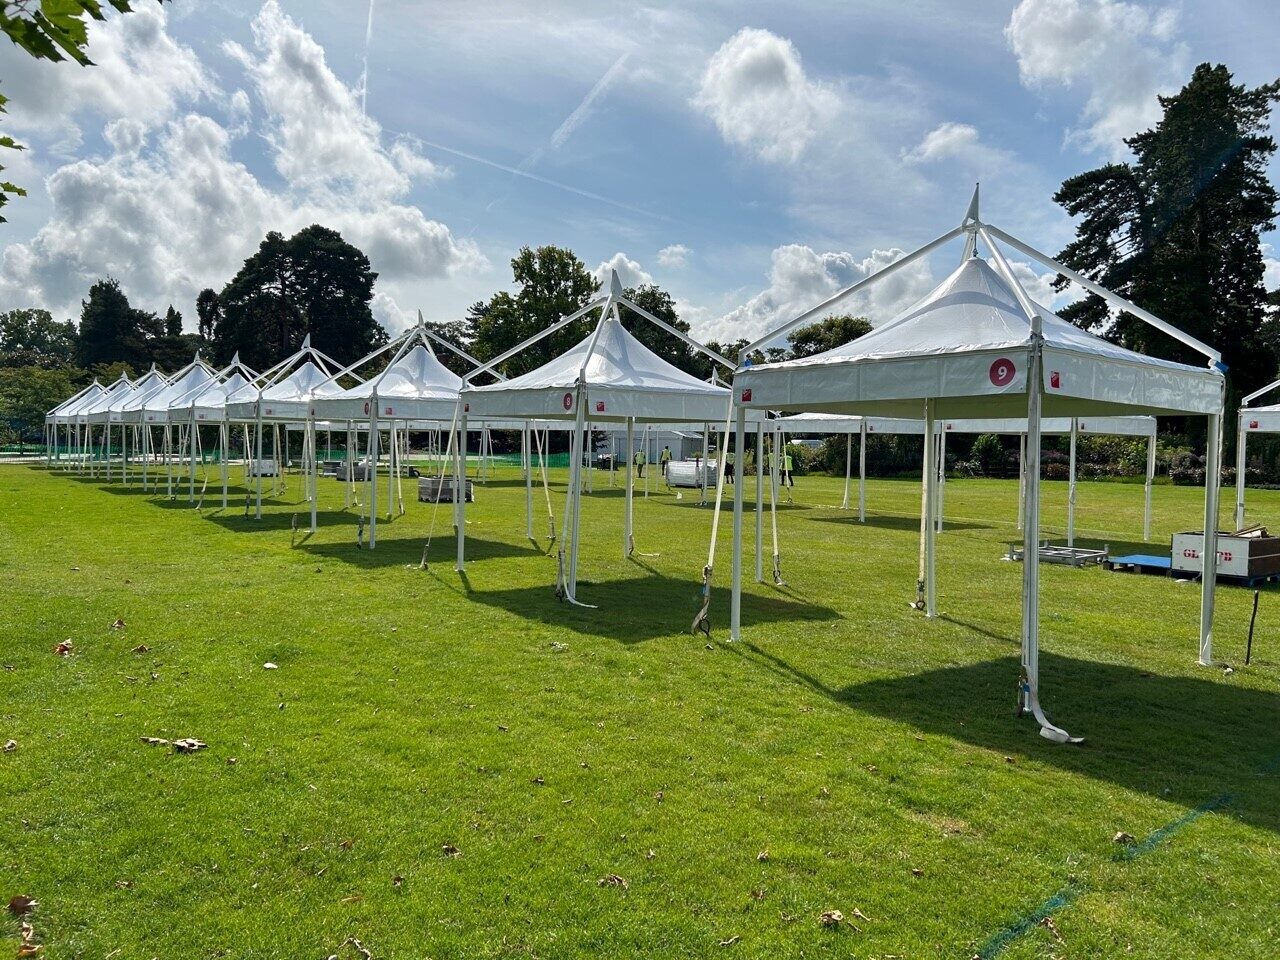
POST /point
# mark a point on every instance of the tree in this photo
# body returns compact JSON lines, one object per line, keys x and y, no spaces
{"x":32,"y":338}
{"x":666,"y":345}
{"x":553,"y":283}
{"x":1177,"y":231}
{"x":112,"y":330}
{"x":48,"y":31}
{"x":827,"y":335}
{"x":172,"y":323}
{"x":208,"y":314}
{"x":313,"y":283}
{"x":28,"y":393}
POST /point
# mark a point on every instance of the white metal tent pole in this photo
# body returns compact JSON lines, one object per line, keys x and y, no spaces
{"x":740,"y":430}
{"x":1146,"y":493}
{"x":1209,"y":553}
{"x":391,"y":469}
{"x":644,"y":445}
{"x":460,"y":490}
{"x":930,"y":507}
{"x":374,"y":440}
{"x":1241,"y":434}
{"x":862,"y":472}
{"x":848,"y":468}
{"x":224,"y":438}
{"x":1031,"y":540}
{"x":574,"y":504}
{"x":1022,"y":481}
{"x":311,"y":473}
{"x":526,"y":459}
{"x":630,"y":494}
{"x":760,"y":461}
{"x":258,"y":465}
{"x":191,"y":488}
{"x":942,"y":474}
{"x":1071,"y":485}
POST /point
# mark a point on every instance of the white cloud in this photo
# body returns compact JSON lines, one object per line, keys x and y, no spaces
{"x":171,"y":209}
{"x":320,"y":136}
{"x":1121,"y":54}
{"x":755,"y":89}
{"x":629,"y":271}
{"x":140,"y":73}
{"x":1270,"y":268}
{"x":674,"y":256}
{"x":800,"y":278}
{"x":947,"y":140}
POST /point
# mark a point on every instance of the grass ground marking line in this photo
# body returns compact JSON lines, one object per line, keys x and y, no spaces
{"x":996,"y":944}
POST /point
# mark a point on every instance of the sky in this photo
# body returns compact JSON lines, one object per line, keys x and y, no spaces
{"x":751,"y":158}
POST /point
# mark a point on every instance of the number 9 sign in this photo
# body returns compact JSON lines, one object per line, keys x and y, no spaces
{"x":1002,"y":372}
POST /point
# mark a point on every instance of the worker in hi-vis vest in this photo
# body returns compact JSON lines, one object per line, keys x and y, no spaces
{"x":786,"y":471}
{"x":665,"y":458}
{"x":639,"y":461}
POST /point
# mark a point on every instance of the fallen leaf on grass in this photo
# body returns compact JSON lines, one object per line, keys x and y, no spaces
{"x":1122,"y":837}
{"x":917,"y":872}
{"x":757,"y":893}
{"x":64,"y":648}
{"x":1048,"y":924}
{"x":347,"y":844}
{"x":449,"y":850}
{"x":613,"y":880}
{"x":27,"y":932}
{"x":730,"y":942}
{"x":354,"y":898}
{"x":10,"y":746}
{"x":232,"y":761}
{"x":141,"y":648}
{"x":360,"y":948}
{"x":118,"y":625}
{"x":22,"y":904}
{"x":831,"y":918}
{"x":270,"y":666}
{"x":155,"y":741}
{"x":538,"y":780}
{"x":651,"y":854}
{"x":189,"y":745}
{"x":762,"y":856}
{"x":124,"y":884}
{"x":397,"y":882}
{"x":29,"y":949}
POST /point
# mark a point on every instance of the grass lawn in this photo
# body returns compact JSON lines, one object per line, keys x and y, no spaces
{"x":847,"y":755}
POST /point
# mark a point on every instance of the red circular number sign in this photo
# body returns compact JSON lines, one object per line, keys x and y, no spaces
{"x":1002,"y":372}
{"x":568,"y":401}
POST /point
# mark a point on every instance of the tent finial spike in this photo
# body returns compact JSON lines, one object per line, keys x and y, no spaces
{"x":235,"y":358}
{"x":422,"y":324}
{"x":615,"y":284}
{"x":971,"y":216}
{"x":306,"y":342}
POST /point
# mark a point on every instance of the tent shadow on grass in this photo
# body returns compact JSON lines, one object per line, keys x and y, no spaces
{"x":1182,"y":739}
{"x":280,"y":516}
{"x":884,"y":521}
{"x":640,"y":608}
{"x":407,"y":551}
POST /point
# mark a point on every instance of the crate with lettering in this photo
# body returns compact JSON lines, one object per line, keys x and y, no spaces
{"x":1250,"y":555}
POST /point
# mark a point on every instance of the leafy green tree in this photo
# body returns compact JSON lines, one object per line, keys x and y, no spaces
{"x":208,"y":314}
{"x":32,"y":338}
{"x":827,"y":335}
{"x":28,"y":393}
{"x":312,"y":283}
{"x":1177,"y":230}
{"x":48,"y":30}
{"x":553,"y":283}
{"x":112,"y":330}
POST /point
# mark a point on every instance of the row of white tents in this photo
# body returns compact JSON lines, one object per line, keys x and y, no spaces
{"x":975,"y":355}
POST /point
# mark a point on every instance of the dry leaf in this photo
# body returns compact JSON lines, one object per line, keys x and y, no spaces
{"x":189,"y":745}
{"x":397,"y":881}
{"x":1122,"y":837}
{"x":538,"y":780}
{"x":831,"y":918}
{"x":347,"y":844}
{"x":29,"y":949}
{"x":10,"y":746}
{"x":64,"y":648}
{"x":449,"y":850}
{"x":155,"y":741}
{"x":232,"y":761}
{"x":860,"y":915}
{"x":27,"y":932}
{"x":917,"y":872}
{"x":354,"y":898}
{"x":730,"y":942}
{"x":502,"y":728}
{"x":762,"y":856}
{"x":658,"y":796}
{"x":1008,"y":759}
{"x":22,"y":904}
{"x":613,"y":880}
{"x":757,"y":893}
{"x":118,"y":625}
{"x":651,"y":854}
{"x":141,"y":648}
{"x":124,"y":884}
{"x":786,"y":918}
{"x":270,"y":666}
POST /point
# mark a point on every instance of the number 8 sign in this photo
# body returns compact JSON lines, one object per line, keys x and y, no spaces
{"x":1002,"y":372}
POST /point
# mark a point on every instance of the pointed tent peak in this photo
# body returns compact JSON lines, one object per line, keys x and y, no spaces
{"x":615,"y":284}
{"x":422,"y":324}
{"x":196,"y":358}
{"x":235,"y":359}
{"x":306,"y":343}
{"x":971,"y":215}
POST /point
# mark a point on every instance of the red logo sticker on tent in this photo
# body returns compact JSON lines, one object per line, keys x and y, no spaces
{"x":1002,"y":372}
{"x":568,"y":401}
{"x":746,"y":395}
{"x":1253,"y":424}
{"x":1055,"y":380}
{"x":599,"y":406}
{"x":269,"y":411}
{"x":387,"y":412}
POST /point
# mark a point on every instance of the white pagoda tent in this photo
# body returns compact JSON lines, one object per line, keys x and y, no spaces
{"x":127,"y":411}
{"x":205,"y":404}
{"x":978,"y":347}
{"x":156,"y":413}
{"x":1251,"y":421}
{"x":609,"y":377}
{"x":99,"y":413}
{"x":63,"y":415}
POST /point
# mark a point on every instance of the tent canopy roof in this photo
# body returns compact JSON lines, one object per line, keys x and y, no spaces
{"x":416,"y":386}
{"x":621,"y":378}
{"x":967,"y":344}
